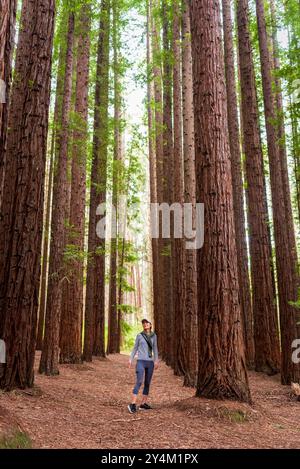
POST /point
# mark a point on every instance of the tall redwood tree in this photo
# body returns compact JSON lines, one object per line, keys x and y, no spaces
{"x":50,"y":353}
{"x":159,"y":151}
{"x":178,"y":244}
{"x":71,"y":336}
{"x":285,"y":244}
{"x":190,"y":357}
{"x":222,"y":365}
{"x":237,"y":181}
{"x":95,"y":306}
{"x":113,"y":341}
{"x":21,"y":231}
{"x":266,"y":337}
{"x":168,"y":182}
{"x":7,"y":32}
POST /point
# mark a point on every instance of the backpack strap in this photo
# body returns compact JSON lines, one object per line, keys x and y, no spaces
{"x":149,"y":342}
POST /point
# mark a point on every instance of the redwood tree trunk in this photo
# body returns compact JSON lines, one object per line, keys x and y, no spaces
{"x":168,"y":167}
{"x":285,"y":245}
{"x":113,"y":345}
{"x":101,"y":145}
{"x":71,"y":338}
{"x":237,"y":181}
{"x":7,"y":34}
{"x":50,"y":353}
{"x":190,"y":307}
{"x":222,"y":365}
{"x":179,"y":251}
{"x":159,"y":145}
{"x":23,"y":192}
{"x":294,"y":123}
{"x":152,"y":159}
{"x":68,"y":234}
{"x":264,"y":307}
{"x":47,"y":227}
{"x":95,"y":291}
{"x":281,"y":137}
{"x":45,"y":250}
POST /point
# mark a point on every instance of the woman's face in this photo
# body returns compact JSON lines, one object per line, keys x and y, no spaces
{"x":147,"y":326}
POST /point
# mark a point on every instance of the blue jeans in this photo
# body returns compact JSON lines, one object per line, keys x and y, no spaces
{"x":147,"y":367}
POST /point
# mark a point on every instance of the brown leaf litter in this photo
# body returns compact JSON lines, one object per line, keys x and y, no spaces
{"x":86,"y":407}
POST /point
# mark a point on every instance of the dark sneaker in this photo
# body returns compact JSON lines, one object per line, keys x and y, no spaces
{"x":145,"y":407}
{"x":132,"y":408}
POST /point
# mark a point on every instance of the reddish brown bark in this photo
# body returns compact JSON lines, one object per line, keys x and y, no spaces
{"x":7,"y":34}
{"x":50,"y":353}
{"x":168,"y":178}
{"x":159,"y":145}
{"x":21,"y":230}
{"x":190,"y":327}
{"x":71,"y":340}
{"x":95,"y":292}
{"x":69,"y":233}
{"x":281,"y":137}
{"x":178,"y":244}
{"x":292,"y":40}
{"x":113,"y":344}
{"x":264,"y":309}
{"x":45,"y":250}
{"x":285,"y":245}
{"x":222,"y":365}
{"x":152,"y":158}
{"x":49,"y":191}
{"x":283,"y":150}
{"x":237,"y":181}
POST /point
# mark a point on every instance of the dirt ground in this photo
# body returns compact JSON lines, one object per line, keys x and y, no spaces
{"x":86,"y":407}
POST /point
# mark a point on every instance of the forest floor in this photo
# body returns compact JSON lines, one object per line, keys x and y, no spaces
{"x":86,"y":407}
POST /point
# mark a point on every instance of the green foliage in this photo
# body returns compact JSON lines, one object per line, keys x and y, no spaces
{"x":73,"y":253}
{"x":129,"y":334}
{"x":18,"y":440}
{"x":235,"y":415}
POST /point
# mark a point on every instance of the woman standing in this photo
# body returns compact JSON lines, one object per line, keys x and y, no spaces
{"x":146,"y":349}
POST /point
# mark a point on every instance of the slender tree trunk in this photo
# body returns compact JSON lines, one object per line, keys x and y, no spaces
{"x":152,"y":159}
{"x":95,"y":296}
{"x":68,"y":234}
{"x":285,"y":245}
{"x":45,"y":250}
{"x":281,"y":137}
{"x":264,"y":309}
{"x":50,"y":353}
{"x":237,"y":180}
{"x":101,"y":137}
{"x":113,"y":325}
{"x":47,"y":227}
{"x":168,"y":177}
{"x":159,"y":146}
{"x":71,"y":339}
{"x":123,"y":188}
{"x":7,"y":33}
{"x":222,"y":365}
{"x":295,"y":130}
{"x":23,"y":192}
{"x":190,"y":306}
{"x":179,"y":251}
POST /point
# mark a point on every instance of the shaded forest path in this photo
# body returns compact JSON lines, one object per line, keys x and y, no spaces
{"x":86,"y":407}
